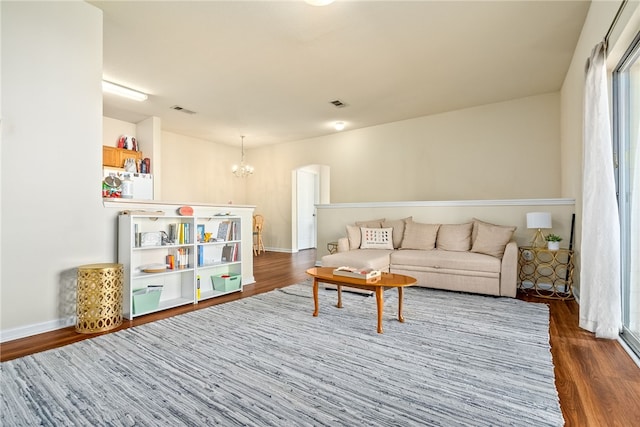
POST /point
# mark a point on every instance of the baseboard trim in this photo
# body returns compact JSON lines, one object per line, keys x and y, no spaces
{"x":35,"y":329}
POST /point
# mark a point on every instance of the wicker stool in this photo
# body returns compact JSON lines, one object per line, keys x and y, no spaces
{"x":99,"y":298}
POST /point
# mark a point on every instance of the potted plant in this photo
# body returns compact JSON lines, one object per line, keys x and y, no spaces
{"x":553,"y":242}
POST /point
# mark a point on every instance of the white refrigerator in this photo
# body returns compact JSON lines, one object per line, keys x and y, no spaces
{"x":142,"y":183}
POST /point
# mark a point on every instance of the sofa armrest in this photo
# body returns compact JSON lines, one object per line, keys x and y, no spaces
{"x":343,"y":244}
{"x":509,"y":270}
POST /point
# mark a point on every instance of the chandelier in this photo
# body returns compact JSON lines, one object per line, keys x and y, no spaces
{"x":243,"y":170}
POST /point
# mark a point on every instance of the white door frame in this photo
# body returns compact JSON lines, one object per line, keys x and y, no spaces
{"x":323,"y":173}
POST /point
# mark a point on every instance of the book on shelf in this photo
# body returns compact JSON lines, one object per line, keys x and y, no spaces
{"x":227,"y":253}
{"x":182,"y":258}
{"x":200,"y":256}
{"x":227,"y":230}
{"x":357,"y":273}
{"x":223,"y":231}
{"x":180,"y":233}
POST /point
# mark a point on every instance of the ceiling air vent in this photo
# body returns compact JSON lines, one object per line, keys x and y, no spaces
{"x":337,"y":103}
{"x":182,"y":110}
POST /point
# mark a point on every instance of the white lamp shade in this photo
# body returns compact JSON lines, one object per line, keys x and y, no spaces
{"x":539,"y":220}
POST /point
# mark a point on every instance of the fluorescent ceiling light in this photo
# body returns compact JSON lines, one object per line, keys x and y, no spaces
{"x":123,"y":91}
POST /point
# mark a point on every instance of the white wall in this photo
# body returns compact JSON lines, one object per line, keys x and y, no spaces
{"x":498,"y":151}
{"x":52,"y":214}
{"x":193,"y":169}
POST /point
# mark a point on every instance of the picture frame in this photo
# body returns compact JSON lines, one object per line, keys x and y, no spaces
{"x":200,"y":233}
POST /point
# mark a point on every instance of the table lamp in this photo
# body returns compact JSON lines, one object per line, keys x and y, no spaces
{"x":538,"y":220}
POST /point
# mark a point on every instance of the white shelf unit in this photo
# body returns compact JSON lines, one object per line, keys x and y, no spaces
{"x":212,"y":259}
{"x":178,"y":284}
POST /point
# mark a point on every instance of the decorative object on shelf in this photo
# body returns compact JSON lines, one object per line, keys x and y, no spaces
{"x":99,"y":297}
{"x":546,"y":273}
{"x":243,"y":170}
{"x":553,"y":242}
{"x":128,"y":142}
{"x":538,"y":220}
{"x":185,"y":211}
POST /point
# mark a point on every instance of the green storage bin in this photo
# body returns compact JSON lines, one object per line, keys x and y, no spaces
{"x":226,"y":282}
{"x":146,"y":300}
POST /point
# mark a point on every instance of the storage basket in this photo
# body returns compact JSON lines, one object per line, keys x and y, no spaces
{"x":147,"y":301}
{"x":226,"y":282}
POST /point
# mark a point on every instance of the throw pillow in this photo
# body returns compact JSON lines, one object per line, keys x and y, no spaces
{"x":454,"y":237}
{"x":419,"y":236}
{"x":353,"y":234}
{"x":376,"y":238}
{"x":474,"y":233}
{"x":492,"y":239}
{"x":398,"y":230}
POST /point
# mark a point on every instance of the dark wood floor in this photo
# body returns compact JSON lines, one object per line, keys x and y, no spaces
{"x":598,"y":382}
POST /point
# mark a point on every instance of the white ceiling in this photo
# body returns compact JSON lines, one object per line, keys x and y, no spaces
{"x":269,"y":69}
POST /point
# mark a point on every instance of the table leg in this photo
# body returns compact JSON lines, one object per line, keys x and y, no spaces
{"x":315,"y":297}
{"x":380,"y":304}
{"x":400,"y":299}
{"x":339,"y":305}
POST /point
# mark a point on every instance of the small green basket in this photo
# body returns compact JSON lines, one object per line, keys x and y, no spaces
{"x":145,"y":302}
{"x":226,"y":282}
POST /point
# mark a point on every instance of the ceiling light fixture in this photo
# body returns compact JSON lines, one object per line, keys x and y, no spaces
{"x":318,"y":2}
{"x":338,"y":126}
{"x":123,"y":91}
{"x":243,"y":170}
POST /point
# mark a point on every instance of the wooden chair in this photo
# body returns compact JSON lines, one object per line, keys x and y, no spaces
{"x":258,"y":226}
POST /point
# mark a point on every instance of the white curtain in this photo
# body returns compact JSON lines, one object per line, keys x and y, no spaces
{"x":600,"y":303}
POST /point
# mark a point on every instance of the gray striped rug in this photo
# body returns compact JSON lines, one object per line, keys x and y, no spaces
{"x":458,"y":360}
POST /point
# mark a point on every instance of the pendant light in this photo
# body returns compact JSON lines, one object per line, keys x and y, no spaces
{"x":243,"y":170}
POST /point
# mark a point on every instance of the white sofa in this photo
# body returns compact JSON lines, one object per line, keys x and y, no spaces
{"x":477,"y":257}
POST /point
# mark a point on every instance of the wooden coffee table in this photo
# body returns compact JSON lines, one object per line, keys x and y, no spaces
{"x":377,"y":285}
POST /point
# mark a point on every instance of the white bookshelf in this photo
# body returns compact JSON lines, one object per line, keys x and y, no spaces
{"x":145,"y":241}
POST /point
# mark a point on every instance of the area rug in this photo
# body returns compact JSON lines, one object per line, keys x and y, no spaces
{"x":458,"y":360}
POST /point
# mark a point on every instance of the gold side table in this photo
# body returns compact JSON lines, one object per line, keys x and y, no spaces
{"x":99,"y":298}
{"x":546,"y":273}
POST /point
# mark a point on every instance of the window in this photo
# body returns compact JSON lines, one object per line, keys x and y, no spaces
{"x":626,"y":125}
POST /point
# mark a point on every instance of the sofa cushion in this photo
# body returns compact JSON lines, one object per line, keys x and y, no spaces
{"x":454,"y":237}
{"x":377,"y":259}
{"x":419,"y":236}
{"x":376,"y":238}
{"x":492,"y":239}
{"x":355,"y":235}
{"x":439,"y":259}
{"x":398,"y":229}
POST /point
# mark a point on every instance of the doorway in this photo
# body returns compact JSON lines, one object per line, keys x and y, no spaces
{"x":308,"y":183}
